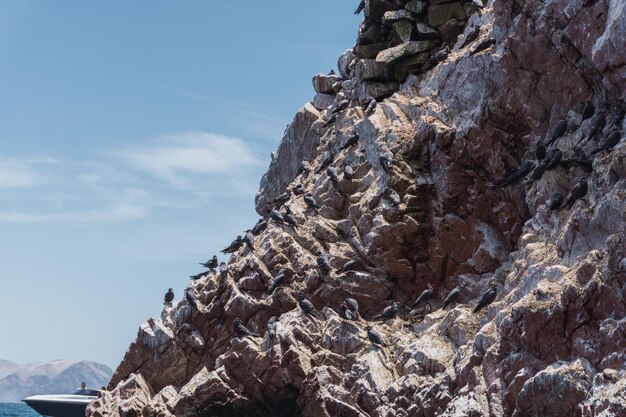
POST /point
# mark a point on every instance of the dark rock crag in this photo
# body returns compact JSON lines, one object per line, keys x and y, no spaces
{"x":437,"y":131}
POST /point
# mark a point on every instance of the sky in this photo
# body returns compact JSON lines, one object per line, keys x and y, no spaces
{"x":133,"y":136}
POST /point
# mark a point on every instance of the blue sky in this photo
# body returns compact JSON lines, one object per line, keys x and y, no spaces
{"x":133,"y":138}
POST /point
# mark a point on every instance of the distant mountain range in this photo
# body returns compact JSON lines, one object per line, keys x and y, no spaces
{"x":55,"y":377}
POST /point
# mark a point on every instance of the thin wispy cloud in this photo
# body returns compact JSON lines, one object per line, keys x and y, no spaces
{"x":176,"y":159}
{"x":113,"y":214}
{"x":176,"y":172}
{"x":20,"y":173}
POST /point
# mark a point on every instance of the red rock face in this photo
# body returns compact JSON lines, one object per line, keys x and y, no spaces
{"x":423,"y":207}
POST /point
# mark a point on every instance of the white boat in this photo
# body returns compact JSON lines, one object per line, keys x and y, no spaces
{"x":63,"y":405}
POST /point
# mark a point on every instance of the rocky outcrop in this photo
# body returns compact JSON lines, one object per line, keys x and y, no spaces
{"x":424,"y":203}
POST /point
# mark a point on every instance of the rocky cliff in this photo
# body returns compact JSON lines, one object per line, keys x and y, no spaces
{"x":462,"y":146}
{"x":56,"y":377}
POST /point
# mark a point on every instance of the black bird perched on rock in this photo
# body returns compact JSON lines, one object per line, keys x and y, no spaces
{"x":515,"y":174}
{"x":330,"y":120}
{"x":451,"y":297}
{"x":540,"y":151}
{"x":352,"y":140}
{"x":471,"y":36}
{"x":557,"y":132}
{"x":597,"y":124}
{"x":608,"y":142}
{"x":351,"y":265}
{"x":259,"y":227}
{"x":310,"y":201}
{"x":555,"y":201}
{"x":370,"y":105}
{"x":589,"y":110}
{"x":234,"y":246}
{"x":248,"y":239}
{"x":487,"y":298}
{"x":223,"y":270}
{"x":342,"y":105}
{"x":278,"y":280}
{"x":389,"y":312}
{"x":374,"y":336}
{"x":348,"y":172}
{"x":276,"y":216}
{"x":191,"y":298}
{"x":553,"y":157}
{"x":360,"y":7}
{"x":426,"y":295}
{"x":326,"y":162}
{"x":579,"y":159}
{"x":211,"y":263}
{"x":487,"y":43}
{"x":241,"y":330}
{"x":537,"y":172}
{"x":272,"y":327}
{"x":299,"y":190}
{"x":332,"y":174}
{"x":289,"y":218}
{"x":345,"y":313}
{"x":578,"y":191}
{"x":438,"y":57}
{"x":305,"y":168}
{"x":169,"y":296}
{"x":352,"y":305}
{"x":306,"y":305}
{"x":579,"y":154}
{"x":282,"y":199}
{"x":322,"y":262}
{"x":197,"y":276}
{"x":385,"y":159}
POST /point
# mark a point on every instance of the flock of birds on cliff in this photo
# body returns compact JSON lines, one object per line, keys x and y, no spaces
{"x":547,"y":157}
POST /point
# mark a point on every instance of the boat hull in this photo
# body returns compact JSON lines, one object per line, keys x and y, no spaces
{"x":58,"y":408}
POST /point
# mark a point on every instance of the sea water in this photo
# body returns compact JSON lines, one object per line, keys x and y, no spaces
{"x":17,"y":410}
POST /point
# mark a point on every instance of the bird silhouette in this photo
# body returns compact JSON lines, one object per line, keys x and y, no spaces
{"x":487,"y":298}
{"x":374,"y":336}
{"x":211,"y":263}
{"x":169,"y":296}
{"x":451,"y":297}
{"x":241,"y":330}
{"x":388,"y":312}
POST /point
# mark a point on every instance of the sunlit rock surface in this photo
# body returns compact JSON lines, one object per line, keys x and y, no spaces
{"x":553,"y":343}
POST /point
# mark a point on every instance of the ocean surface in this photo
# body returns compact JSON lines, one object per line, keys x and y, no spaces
{"x":17,"y":410}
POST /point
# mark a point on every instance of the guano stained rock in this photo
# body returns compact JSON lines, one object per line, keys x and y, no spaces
{"x":423,"y":207}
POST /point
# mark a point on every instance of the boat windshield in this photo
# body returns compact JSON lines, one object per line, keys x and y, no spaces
{"x":88,"y":392}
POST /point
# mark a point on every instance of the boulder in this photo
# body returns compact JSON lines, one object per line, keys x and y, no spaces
{"x":450,"y":30}
{"x":323,"y":83}
{"x":425,"y":32}
{"x":376,"y":9}
{"x":392,"y":17}
{"x":370,"y":51}
{"x":344,"y":62}
{"x":441,"y":13}
{"x":323,"y":101}
{"x":404,"y":30}
{"x":370,"y":69}
{"x":390,"y":56}
{"x":409,"y":65}
{"x":375,"y":89}
{"x":416,"y":6}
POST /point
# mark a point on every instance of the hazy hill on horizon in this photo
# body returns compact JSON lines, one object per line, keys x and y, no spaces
{"x":54,"y":377}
